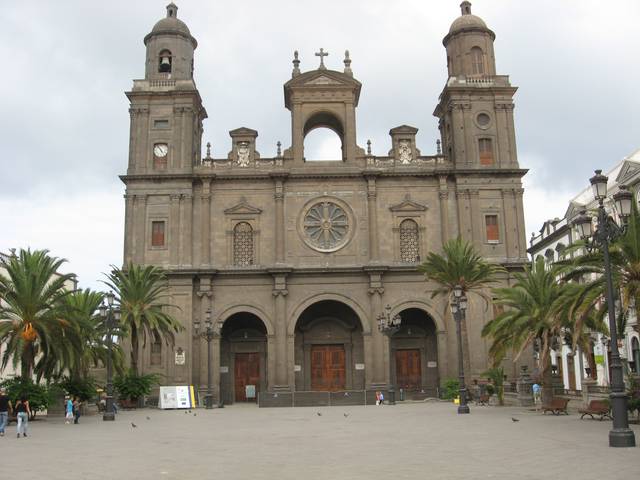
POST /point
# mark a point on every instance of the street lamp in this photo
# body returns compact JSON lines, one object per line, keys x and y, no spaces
{"x":111,"y":317}
{"x":458,"y":308}
{"x":607,"y":231}
{"x":209,"y":333}
{"x":388,"y":325}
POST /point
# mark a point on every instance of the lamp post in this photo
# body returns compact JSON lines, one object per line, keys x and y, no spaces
{"x":607,"y":230}
{"x":209,"y":333}
{"x":458,"y":308}
{"x":109,"y":315}
{"x":388,"y":325}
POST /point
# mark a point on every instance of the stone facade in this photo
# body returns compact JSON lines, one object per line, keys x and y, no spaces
{"x":293,"y":259}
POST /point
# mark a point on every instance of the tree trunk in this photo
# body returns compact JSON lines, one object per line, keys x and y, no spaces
{"x":27,"y":361}
{"x":547,"y":385}
{"x":134,"y":349}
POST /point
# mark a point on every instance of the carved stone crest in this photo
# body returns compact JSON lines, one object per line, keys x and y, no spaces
{"x":243,"y":154}
{"x":405,"y":156}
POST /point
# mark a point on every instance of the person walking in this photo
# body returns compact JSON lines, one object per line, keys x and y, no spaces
{"x":68,"y":405}
{"x":5,"y":409}
{"x":76,"y":410}
{"x":22,"y":413}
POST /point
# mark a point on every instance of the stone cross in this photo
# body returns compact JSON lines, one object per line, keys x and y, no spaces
{"x":322,"y":54}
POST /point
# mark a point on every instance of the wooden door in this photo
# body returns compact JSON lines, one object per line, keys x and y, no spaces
{"x":246,"y":372}
{"x":408,"y":369}
{"x":328,"y":368}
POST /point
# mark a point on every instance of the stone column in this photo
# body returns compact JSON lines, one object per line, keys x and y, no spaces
{"x":174,"y":229}
{"x":140,"y":229}
{"x":375,"y":349}
{"x":280,"y":223}
{"x":129,"y":246}
{"x":443,"y":195}
{"x":186,"y":233}
{"x":522,"y":232}
{"x":476,"y":227}
{"x":133,"y":126}
{"x":205,"y":223}
{"x":178,"y":138}
{"x":458,"y":135}
{"x":464,"y":227}
{"x":144,"y":149}
{"x":374,"y":247}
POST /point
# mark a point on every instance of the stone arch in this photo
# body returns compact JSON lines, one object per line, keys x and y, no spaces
{"x":304,"y":304}
{"x":426,"y":308}
{"x":224,"y":315}
{"x":326,"y":119}
{"x":328,"y":122}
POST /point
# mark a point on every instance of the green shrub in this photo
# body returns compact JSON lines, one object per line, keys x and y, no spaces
{"x":83,"y":388}
{"x":38,"y":395}
{"x":490,"y":389}
{"x":450,"y":389}
{"x":133,"y":387}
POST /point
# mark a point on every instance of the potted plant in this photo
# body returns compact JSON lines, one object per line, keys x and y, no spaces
{"x":132,"y":387}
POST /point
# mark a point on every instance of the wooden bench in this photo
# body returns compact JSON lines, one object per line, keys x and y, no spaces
{"x":557,"y":406}
{"x":596,"y":407}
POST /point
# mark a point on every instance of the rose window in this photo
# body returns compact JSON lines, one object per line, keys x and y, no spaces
{"x":326,"y":226}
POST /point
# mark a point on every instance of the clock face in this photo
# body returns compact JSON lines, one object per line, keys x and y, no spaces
{"x":161,"y":150}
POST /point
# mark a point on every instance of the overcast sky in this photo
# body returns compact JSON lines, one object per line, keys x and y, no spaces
{"x":64,"y":125}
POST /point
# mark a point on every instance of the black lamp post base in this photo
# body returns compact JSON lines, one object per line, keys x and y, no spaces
{"x":108,"y":417}
{"x":392,"y":396}
{"x":622,"y":437}
{"x":208,"y":401}
{"x":463,"y":409}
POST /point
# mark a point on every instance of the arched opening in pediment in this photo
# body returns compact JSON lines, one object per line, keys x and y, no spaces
{"x":323,"y":138}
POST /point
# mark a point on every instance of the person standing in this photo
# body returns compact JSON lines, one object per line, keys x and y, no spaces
{"x":76,"y":410}
{"x":5,"y":409}
{"x":22,"y":413}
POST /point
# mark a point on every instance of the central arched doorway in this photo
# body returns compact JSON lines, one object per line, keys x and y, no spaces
{"x":243,"y":358}
{"x":329,"y":348}
{"x":414,"y":353}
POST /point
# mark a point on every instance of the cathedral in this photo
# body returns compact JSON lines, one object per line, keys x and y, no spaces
{"x":293,"y":262}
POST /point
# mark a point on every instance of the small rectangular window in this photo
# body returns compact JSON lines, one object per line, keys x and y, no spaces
{"x":156,"y":352}
{"x":161,"y":123}
{"x":491,"y":225}
{"x":157,"y":234}
{"x":485,"y":147}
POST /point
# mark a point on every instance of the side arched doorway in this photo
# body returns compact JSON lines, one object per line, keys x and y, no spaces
{"x":414,"y":353}
{"x":329,"y":348}
{"x":243,"y":358}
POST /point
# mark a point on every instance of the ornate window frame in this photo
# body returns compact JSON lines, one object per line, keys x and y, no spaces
{"x":242,"y":212}
{"x":408,"y":209}
{"x":351,"y":223}
{"x":499,"y":219}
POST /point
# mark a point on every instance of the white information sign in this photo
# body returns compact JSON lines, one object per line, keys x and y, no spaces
{"x":359,"y":366}
{"x":224,"y":369}
{"x":176,"y":397}
{"x":297,"y":368}
{"x":432,"y":364}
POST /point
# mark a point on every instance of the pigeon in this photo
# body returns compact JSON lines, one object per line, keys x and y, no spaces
{"x":195,"y":414}
{"x":148,"y":418}
{"x":186,"y":413}
{"x":514,"y":419}
{"x":345,"y":415}
{"x":319,"y":414}
{"x":134,"y":425}
{"x":189,"y":411}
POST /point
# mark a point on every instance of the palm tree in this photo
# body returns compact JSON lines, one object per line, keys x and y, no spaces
{"x":539,"y":310}
{"x":460,"y":264}
{"x":140,"y":291}
{"x":34,"y":322}
{"x":91,"y":332}
{"x":588,"y":270}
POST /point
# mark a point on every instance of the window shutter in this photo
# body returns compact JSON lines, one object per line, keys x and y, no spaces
{"x":157,"y":234}
{"x":493,"y":232}
{"x":486,"y":151}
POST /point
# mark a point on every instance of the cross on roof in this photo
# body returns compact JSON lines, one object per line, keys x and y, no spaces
{"x":322,"y":54}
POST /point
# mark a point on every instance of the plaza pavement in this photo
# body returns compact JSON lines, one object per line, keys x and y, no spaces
{"x":419,"y":440}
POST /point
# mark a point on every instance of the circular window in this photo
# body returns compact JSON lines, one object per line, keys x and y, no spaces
{"x":483,"y":120}
{"x":325,"y":226}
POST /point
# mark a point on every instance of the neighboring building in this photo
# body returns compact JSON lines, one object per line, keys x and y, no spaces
{"x":10,"y":371}
{"x":295,"y":259}
{"x":554,"y":236}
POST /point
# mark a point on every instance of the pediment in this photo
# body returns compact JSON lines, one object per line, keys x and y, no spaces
{"x":243,"y":131}
{"x":408,"y":205}
{"x":243,"y":208}
{"x":323,"y":80}
{"x":315,"y":80}
{"x":403,"y":129}
{"x":629,"y":170}
{"x":573,"y":210}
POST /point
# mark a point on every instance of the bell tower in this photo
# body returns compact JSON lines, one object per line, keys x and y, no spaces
{"x":476,"y":106}
{"x":166,"y":109}
{"x":323,"y":98}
